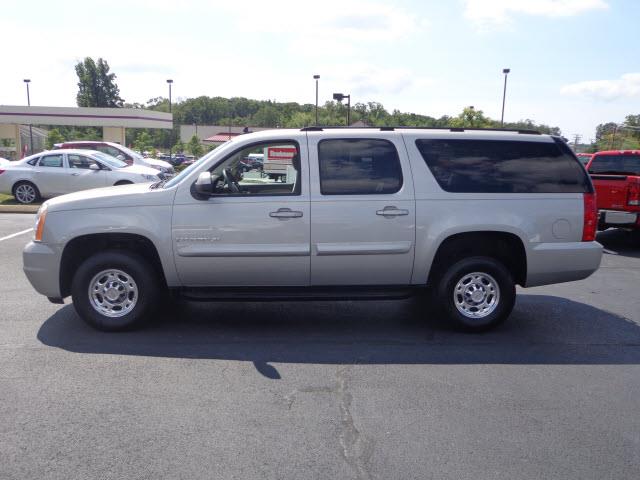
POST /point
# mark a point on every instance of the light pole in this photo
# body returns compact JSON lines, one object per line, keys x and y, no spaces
{"x":339,"y":97}
{"x":170,"y":81}
{"x":504,"y":94}
{"x":27,"y":81}
{"x":316,"y":77}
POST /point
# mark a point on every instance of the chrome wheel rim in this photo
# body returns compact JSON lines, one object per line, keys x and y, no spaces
{"x":476,"y":295}
{"x":113,"y":293}
{"x":25,"y":193}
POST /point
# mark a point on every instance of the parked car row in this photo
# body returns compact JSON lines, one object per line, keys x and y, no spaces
{"x":57,"y":172}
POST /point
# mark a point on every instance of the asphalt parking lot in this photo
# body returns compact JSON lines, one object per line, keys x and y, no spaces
{"x":348,"y":390}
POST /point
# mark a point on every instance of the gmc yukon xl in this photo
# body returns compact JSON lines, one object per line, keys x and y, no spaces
{"x":462,"y":214}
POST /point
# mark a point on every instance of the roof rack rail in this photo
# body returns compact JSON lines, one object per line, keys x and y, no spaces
{"x":400,"y":127}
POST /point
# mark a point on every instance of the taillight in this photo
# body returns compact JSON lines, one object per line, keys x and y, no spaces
{"x":2,"y":171}
{"x":633,"y":195}
{"x":590,"y":223}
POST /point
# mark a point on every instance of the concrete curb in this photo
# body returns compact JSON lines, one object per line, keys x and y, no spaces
{"x":19,"y":208}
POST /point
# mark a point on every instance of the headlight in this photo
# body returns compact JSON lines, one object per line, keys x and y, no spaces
{"x":41,"y":216}
{"x":150,"y":177}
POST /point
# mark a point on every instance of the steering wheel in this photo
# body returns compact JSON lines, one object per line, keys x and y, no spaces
{"x":230,"y":180}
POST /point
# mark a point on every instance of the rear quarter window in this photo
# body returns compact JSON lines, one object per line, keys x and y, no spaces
{"x":498,"y":166}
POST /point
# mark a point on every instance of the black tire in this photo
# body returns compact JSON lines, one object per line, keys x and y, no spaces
{"x":135,"y":267}
{"x":21,"y":198}
{"x":491,"y":269}
{"x":122,"y":182}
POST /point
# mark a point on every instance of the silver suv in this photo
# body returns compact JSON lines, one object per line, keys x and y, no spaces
{"x":462,"y":214}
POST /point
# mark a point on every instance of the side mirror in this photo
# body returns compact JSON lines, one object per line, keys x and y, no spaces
{"x":121,"y":157}
{"x":204,"y":185}
{"x":93,"y":166}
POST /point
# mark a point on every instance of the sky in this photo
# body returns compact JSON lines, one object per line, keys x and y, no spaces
{"x":574,"y":63}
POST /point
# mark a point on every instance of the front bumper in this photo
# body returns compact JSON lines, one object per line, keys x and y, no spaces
{"x":549,"y":263}
{"x":41,"y":265}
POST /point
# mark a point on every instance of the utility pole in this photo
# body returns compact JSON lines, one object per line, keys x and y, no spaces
{"x":576,"y":139}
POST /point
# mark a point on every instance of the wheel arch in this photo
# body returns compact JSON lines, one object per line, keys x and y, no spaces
{"x":507,"y":247}
{"x":78,"y":249}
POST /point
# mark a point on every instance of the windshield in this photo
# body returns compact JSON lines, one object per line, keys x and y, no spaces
{"x":109,"y":160}
{"x":194,"y":166}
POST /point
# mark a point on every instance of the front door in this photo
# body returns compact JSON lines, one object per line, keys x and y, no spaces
{"x":252,"y":231}
{"x":85,"y":173}
{"x":363,"y":211}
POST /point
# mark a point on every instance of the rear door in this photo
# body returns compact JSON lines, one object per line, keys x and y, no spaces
{"x":51,"y":175}
{"x":362,"y":209}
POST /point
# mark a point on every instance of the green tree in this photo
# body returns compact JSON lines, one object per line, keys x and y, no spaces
{"x":143,"y":142}
{"x":96,"y":86}
{"x":194,"y":147}
{"x":471,"y":118}
{"x":54,"y":136}
{"x":178,"y":147}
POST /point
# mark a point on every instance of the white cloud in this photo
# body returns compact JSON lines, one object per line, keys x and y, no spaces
{"x":487,"y":13}
{"x":627,"y":86}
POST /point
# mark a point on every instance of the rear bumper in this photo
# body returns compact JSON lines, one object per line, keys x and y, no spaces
{"x":616,"y":218}
{"x":41,"y":265}
{"x":562,"y":262}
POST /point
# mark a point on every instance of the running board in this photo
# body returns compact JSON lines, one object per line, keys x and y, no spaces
{"x":274,"y":294}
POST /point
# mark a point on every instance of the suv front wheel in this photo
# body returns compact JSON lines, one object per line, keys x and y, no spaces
{"x":114,"y":290}
{"x":476,"y":293}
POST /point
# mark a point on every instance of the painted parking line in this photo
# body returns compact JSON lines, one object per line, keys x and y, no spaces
{"x":16,"y":234}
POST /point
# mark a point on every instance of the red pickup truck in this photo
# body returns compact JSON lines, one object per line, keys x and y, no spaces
{"x":616,"y":177}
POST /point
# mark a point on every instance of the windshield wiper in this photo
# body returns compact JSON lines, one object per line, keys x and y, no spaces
{"x":158,"y":184}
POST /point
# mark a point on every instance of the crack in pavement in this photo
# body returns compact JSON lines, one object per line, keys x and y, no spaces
{"x":356,"y":448}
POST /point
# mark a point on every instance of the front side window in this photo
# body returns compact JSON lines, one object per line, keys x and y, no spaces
{"x":51,"y":161}
{"x":358,"y":166}
{"x":279,"y":174}
{"x":501,"y":166}
{"x":82,"y":162}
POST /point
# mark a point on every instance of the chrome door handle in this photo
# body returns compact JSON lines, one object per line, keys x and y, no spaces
{"x":284,"y":213}
{"x":391,"y":211}
{"x":75,"y":174}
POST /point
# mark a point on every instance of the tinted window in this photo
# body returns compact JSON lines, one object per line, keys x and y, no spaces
{"x":496,"y":166}
{"x":358,"y":166}
{"x":33,"y":161}
{"x":628,"y":164}
{"x":51,"y":161}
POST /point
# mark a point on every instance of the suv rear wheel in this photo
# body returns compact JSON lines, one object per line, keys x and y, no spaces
{"x":476,"y":293}
{"x":114,"y":290}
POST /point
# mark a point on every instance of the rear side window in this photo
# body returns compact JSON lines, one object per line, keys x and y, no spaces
{"x":621,"y":164}
{"x":358,"y":167}
{"x":497,"y":166}
{"x":33,"y":161}
{"x":51,"y":161}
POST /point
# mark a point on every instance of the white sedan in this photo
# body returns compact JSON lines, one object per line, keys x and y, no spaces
{"x":57,"y":172}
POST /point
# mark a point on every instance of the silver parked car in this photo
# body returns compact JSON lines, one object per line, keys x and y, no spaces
{"x":464,"y":215}
{"x":57,"y":172}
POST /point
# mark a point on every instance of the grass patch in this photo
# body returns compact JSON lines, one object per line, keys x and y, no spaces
{"x":9,"y":200}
